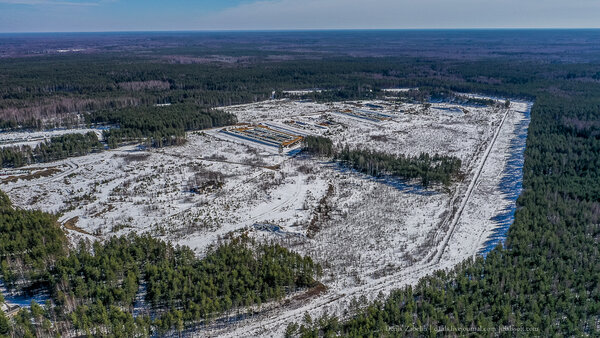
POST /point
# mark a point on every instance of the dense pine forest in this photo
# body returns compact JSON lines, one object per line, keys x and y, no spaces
{"x":546,"y":278}
{"x":94,"y":288}
{"x":30,"y":241}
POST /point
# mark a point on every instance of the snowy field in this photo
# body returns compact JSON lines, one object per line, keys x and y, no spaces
{"x":371,"y":235}
{"x":302,"y":92}
{"x":383,"y":235}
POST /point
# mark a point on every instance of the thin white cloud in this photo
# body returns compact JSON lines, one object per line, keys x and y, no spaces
{"x":92,"y":15}
{"x":348,"y":14}
{"x":49,"y":3}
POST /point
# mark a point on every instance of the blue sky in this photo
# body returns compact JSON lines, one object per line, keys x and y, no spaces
{"x":126,"y":15}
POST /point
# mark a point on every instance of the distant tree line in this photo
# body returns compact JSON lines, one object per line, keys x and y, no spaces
{"x":157,"y":126}
{"x":13,"y":125}
{"x":49,"y":91}
{"x":57,"y":148}
{"x":427,"y":168}
{"x":154,"y":126}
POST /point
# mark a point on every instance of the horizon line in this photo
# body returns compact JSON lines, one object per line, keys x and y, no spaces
{"x":306,"y":30}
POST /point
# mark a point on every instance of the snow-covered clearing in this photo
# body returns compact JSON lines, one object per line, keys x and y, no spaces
{"x":377,"y":235}
{"x":302,"y":92}
{"x":398,"y":90}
